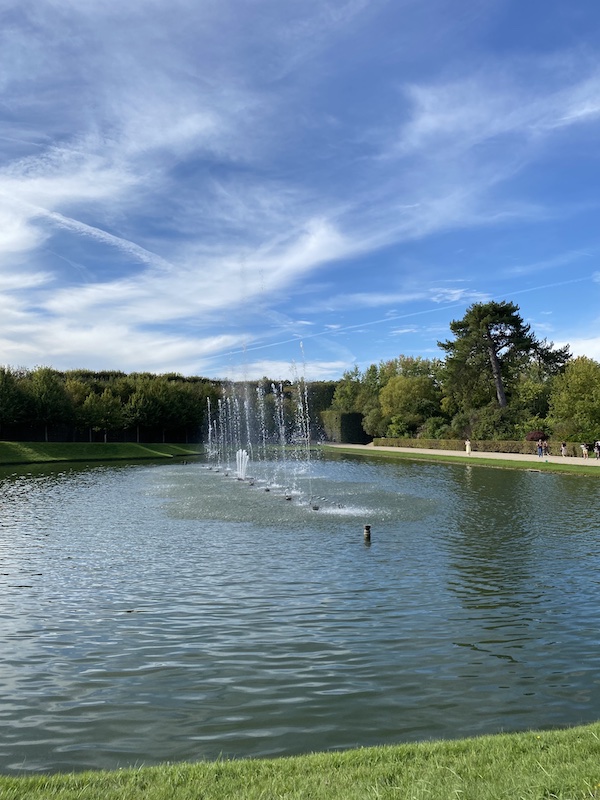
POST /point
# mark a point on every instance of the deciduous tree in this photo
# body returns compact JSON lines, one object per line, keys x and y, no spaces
{"x":50,"y":403}
{"x":575,"y":401}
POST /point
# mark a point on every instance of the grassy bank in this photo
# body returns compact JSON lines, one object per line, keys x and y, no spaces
{"x":564,"y":765}
{"x":42,"y":452}
{"x":488,"y":461}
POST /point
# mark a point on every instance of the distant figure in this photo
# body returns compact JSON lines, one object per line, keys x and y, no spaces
{"x":597,"y":449}
{"x":540,"y":448}
{"x":584,"y":451}
{"x":545,"y":450}
{"x":468,"y":447}
{"x":563,"y":449}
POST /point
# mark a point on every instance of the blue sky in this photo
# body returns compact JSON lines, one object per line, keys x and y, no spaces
{"x":239,"y":188}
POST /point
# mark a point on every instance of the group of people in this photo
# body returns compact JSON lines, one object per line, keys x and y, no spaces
{"x":585,"y":450}
{"x":542,"y":449}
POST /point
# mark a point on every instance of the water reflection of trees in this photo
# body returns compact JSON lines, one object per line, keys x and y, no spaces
{"x":490,"y":536}
{"x":517,"y":543}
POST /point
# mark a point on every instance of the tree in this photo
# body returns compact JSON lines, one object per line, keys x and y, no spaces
{"x":50,"y":403}
{"x":12,"y":401}
{"x":492,"y":346}
{"x":361,"y":392}
{"x":345,"y":396}
{"x":575,"y":401}
{"x":409,"y":401}
{"x":140,"y":410}
{"x":102,"y":412}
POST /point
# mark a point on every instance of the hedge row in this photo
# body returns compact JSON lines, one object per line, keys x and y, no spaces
{"x":484,"y":446}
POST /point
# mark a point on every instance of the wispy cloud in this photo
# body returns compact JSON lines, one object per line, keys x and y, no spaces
{"x":182,"y":180}
{"x":493,"y":104}
{"x":560,"y":260}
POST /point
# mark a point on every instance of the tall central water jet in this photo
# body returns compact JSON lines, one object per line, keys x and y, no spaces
{"x":242,"y":458}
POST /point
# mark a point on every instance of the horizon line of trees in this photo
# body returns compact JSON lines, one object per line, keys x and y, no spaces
{"x":497,"y":380}
{"x":83,"y":405}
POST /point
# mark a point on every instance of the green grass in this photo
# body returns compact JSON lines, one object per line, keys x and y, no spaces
{"x":43,"y":452}
{"x":563,"y":765}
{"x":537,"y":465}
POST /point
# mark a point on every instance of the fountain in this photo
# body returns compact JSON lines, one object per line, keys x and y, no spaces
{"x":242,"y":458}
{"x":269,"y":428}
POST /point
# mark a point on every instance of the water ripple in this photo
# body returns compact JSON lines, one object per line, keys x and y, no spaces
{"x":168,"y":612}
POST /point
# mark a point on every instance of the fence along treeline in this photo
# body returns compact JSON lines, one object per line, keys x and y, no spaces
{"x":81,"y":405}
{"x":497,"y":381}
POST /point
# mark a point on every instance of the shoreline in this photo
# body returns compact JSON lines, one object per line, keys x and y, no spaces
{"x":531,"y":462}
{"x":529,"y":765}
{"x":14,"y":454}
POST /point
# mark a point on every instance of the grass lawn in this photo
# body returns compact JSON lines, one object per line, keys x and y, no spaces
{"x":41,"y":452}
{"x":440,"y":457}
{"x":562,"y":765}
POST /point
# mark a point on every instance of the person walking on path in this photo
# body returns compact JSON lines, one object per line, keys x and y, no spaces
{"x":563,"y":449}
{"x":584,"y":451}
{"x":468,"y":447}
{"x":540,"y":448}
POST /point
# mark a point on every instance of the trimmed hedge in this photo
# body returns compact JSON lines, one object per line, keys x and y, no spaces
{"x":484,"y":446}
{"x":344,"y":428}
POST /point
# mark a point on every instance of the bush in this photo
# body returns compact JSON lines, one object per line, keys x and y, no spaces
{"x":534,"y":436}
{"x":482,"y":445}
{"x":435,"y":428}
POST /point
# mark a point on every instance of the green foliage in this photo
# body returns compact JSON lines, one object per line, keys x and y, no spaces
{"x":374,"y":422}
{"x":341,"y":427}
{"x":435,"y":428}
{"x":47,"y":400}
{"x":13,"y":400}
{"x":345,"y":397}
{"x":495,"y":382}
{"x":575,"y":401}
{"x":320,"y":396}
{"x":331,"y":420}
{"x":409,"y":401}
{"x":108,"y":401}
{"x":531,"y":395}
{"x":492,"y":348}
{"x":362,"y":392}
{"x":491,"y":422}
{"x":102,"y":412}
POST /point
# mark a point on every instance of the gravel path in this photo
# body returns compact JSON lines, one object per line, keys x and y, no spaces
{"x":475,"y":454}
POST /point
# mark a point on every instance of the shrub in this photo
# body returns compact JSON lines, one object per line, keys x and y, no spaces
{"x":534,"y":436}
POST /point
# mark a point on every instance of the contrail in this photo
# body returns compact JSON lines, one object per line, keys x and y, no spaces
{"x":391,"y":318}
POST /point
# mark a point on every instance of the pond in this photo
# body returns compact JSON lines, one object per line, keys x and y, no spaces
{"x":167,"y":612}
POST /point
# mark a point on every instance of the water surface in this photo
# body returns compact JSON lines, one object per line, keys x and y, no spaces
{"x":166,"y":612}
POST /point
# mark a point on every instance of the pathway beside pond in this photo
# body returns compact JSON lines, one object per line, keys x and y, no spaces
{"x":475,"y":454}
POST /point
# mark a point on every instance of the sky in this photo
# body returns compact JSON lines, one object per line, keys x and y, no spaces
{"x":247,"y":188}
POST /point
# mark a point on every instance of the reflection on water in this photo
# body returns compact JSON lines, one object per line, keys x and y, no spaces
{"x":153,"y":613}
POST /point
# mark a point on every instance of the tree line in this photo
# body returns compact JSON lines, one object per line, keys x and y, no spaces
{"x":82,"y":405}
{"x":497,"y":380}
